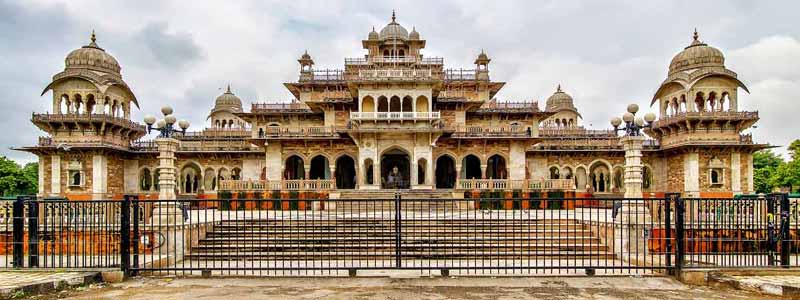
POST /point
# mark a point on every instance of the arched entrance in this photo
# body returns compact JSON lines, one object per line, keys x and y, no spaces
{"x":345,"y":172}
{"x":496,"y":167}
{"x":600,"y":178}
{"x":445,"y":172}
{"x":293,"y":169}
{"x":471,"y":167}
{"x":395,"y":169}
{"x":190,"y":179}
{"x":319,"y":168}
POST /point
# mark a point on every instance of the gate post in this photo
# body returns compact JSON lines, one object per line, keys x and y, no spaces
{"x":668,"y":230}
{"x":125,"y":235}
{"x":33,"y":232}
{"x":784,"y":233}
{"x":680,"y":242}
{"x":135,"y":238}
{"x":772,"y":241}
{"x":18,"y":224}
{"x":397,"y":231}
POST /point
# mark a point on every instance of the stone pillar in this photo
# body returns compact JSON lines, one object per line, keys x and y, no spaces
{"x":99,"y":177}
{"x":167,"y":212}
{"x":55,"y":175}
{"x":166,"y":167}
{"x":307,"y":170}
{"x":633,"y":165}
{"x":376,"y":174}
{"x":483,"y":172}
{"x":691,"y":175}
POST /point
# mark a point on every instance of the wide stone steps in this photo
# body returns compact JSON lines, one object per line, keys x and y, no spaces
{"x":388,"y":255}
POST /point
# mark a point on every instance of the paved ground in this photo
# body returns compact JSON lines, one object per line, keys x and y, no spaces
{"x":786,"y":285}
{"x":423,"y":288}
{"x":18,"y":283}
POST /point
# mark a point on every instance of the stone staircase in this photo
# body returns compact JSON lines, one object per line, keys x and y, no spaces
{"x":373,"y":238}
{"x":383,"y":200}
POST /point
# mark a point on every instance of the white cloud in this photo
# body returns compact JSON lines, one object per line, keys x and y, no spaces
{"x":606,"y":54}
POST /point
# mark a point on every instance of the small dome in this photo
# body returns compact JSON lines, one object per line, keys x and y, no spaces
{"x":393,"y":30}
{"x":228,"y":100}
{"x":414,"y":35}
{"x":559,"y":101}
{"x":92,"y":57}
{"x":373,"y":35}
{"x":483,"y":56}
{"x":696,"y":55}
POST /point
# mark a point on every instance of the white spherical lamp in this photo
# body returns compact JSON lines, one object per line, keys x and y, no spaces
{"x":170,"y":119}
{"x":183,"y":124}
{"x":650,"y":117}
{"x":160,"y":124}
{"x":627,"y":117}
{"x":633,"y":108}
{"x":149,"y":119}
{"x":639,"y":122}
{"x":166,"y":110}
{"x":615,"y":121}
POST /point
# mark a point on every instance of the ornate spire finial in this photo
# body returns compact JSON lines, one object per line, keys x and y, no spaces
{"x":393,"y":16}
{"x":696,"y":36}
{"x":94,"y":37}
{"x":558,"y":89}
{"x":229,"y":88}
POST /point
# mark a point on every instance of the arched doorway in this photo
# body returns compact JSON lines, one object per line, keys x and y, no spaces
{"x":345,"y":172}
{"x":445,"y":172}
{"x":383,"y":104}
{"x":395,"y":169}
{"x":422,"y":166}
{"x":368,"y":172}
{"x":190,"y":179}
{"x":368,"y":104}
{"x":319,"y":168}
{"x":395,"y":104}
{"x":600,"y":178}
{"x":496,"y":167}
{"x":294,"y":168}
{"x":407,"y":106}
{"x":422,"y":104}
{"x":471,"y":167}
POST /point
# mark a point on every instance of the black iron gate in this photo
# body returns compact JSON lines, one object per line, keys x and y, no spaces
{"x":256,"y":235}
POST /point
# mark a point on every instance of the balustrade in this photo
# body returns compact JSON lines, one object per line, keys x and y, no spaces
{"x":395,"y":116}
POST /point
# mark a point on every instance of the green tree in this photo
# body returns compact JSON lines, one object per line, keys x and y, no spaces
{"x":787,"y":175}
{"x":16,"y":180}
{"x":765,"y":163}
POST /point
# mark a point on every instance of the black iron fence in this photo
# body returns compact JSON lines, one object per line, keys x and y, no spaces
{"x":338,"y":237}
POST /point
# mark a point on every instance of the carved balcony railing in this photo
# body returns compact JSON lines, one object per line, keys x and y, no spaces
{"x":294,"y":106}
{"x":394,"y":116}
{"x":574,"y":131}
{"x":270,"y":185}
{"x":84,"y":118}
{"x":706,"y":115}
{"x":506,"y":184}
{"x":510,"y":106}
{"x":296,"y":132}
{"x":491,"y":132}
{"x":460,"y":74}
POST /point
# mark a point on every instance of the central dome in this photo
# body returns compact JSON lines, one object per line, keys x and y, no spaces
{"x":393,"y":30}
{"x":92,"y":57}
{"x":696,"y":55}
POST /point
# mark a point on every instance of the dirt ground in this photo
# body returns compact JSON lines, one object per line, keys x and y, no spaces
{"x":550,"y":288}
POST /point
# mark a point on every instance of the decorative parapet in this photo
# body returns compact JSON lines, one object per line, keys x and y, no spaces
{"x":508,"y":184}
{"x":682,"y":117}
{"x":87,"y":118}
{"x":271,"y":185}
{"x":509,"y":107}
{"x":290,"y":107}
{"x":279,"y":132}
{"x":491,"y":132}
{"x":394,"y":116}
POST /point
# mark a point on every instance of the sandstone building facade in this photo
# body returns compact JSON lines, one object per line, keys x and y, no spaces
{"x":395,"y":119}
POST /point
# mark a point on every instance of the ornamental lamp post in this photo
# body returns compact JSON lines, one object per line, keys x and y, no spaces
{"x":167,"y":146}
{"x":632,"y":142}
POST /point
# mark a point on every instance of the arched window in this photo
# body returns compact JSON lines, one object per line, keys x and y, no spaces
{"x":386,"y":52}
{"x":383,"y":104}
{"x":554,"y":173}
{"x":90,"y":103}
{"x":209,"y":180}
{"x":712,"y":101}
{"x":471,"y":167}
{"x":496,"y":167}
{"x":294,"y":168}
{"x":320,"y":168}
{"x":64,"y":104}
{"x":145,"y":180}
{"x":422,"y":165}
{"x":407,"y":106}
{"x":699,"y":102}
{"x":402,"y":53}
{"x":394,"y":104}
{"x":76,"y":103}
{"x":236,"y":174}
{"x":724,"y":102}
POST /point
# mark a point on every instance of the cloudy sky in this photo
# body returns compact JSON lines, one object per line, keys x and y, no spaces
{"x":605,"y":54}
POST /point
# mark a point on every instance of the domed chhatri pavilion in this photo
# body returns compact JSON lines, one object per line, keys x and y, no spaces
{"x":395,"y":119}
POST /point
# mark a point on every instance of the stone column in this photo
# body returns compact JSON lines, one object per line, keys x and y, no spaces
{"x":633,"y":165}
{"x":483,"y":172}
{"x":168,"y":211}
